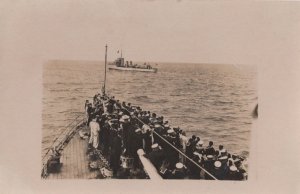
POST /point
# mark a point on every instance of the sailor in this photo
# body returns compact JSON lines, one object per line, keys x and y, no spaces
{"x":156,"y":156}
{"x":105,"y":133}
{"x":126,"y":127}
{"x":116,"y":150}
{"x":136,"y":143}
{"x":153,"y":118}
{"x":218,"y":172}
{"x":179,"y":173}
{"x":209,"y":166}
{"x":183,"y":142}
{"x":95,"y":128}
{"x":241,"y":169}
{"x":222,"y":151}
{"x":89,"y":113}
{"x":210,"y":150}
{"x":190,"y":148}
{"x":164,"y":170}
{"x":147,"y":138}
{"x":224,"y":161}
{"x":171,"y":154}
{"x":194,"y":169}
{"x":234,"y":174}
{"x":199,"y":147}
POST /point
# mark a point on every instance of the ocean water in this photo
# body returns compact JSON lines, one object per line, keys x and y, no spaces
{"x":212,"y":101}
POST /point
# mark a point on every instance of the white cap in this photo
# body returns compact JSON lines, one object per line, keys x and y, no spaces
{"x":233,"y":168}
{"x":138,"y":130}
{"x":170,"y":131}
{"x":157,"y":126}
{"x":154,"y":146}
{"x":223,"y":158}
{"x":197,"y":154}
{"x":210,"y":156}
{"x":218,"y":164}
{"x":179,"y":165}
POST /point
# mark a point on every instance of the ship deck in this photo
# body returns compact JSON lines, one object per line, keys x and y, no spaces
{"x":75,"y":161}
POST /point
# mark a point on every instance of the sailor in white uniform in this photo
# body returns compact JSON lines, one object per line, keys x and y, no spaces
{"x":95,"y":128}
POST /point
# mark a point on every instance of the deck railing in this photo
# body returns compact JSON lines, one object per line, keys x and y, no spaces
{"x":64,"y":137}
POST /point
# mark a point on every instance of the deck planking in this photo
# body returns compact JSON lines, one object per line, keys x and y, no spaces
{"x":74,"y":161}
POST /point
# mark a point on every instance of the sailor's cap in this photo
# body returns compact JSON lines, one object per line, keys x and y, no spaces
{"x":114,"y":120}
{"x":210,"y":157}
{"x":157,"y":126}
{"x":179,"y":165}
{"x":233,"y":168}
{"x":125,"y":117}
{"x":120,"y":113}
{"x":170,"y":131}
{"x":154,"y":146}
{"x":223,"y":158}
{"x":167,"y":125}
{"x":97,"y":116}
{"x":197,"y":154}
{"x":138,"y":130}
{"x":217,"y":164}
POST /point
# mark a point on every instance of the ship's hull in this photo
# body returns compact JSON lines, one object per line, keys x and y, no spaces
{"x":153,"y":70}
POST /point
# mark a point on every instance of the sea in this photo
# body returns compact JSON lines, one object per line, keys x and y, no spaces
{"x":212,"y":101}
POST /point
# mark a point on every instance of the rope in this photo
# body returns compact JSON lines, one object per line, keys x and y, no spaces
{"x":177,"y":149}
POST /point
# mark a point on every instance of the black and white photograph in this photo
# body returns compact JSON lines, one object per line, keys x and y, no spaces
{"x":139,"y":96}
{"x":130,"y":120}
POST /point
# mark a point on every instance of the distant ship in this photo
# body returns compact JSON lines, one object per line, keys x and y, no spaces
{"x":122,"y":65}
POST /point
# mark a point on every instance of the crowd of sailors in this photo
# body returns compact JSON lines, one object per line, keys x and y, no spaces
{"x":120,"y":128}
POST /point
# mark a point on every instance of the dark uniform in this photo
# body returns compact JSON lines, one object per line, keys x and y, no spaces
{"x":156,"y":157}
{"x":116,"y":150}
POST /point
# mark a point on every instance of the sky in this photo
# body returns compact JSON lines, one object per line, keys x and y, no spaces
{"x":155,"y":30}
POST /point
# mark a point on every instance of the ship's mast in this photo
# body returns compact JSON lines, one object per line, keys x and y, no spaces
{"x":105,"y":70}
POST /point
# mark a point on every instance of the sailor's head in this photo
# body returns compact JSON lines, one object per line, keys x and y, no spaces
{"x":211,"y":143}
{"x":221,"y":147}
{"x":86,"y":101}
